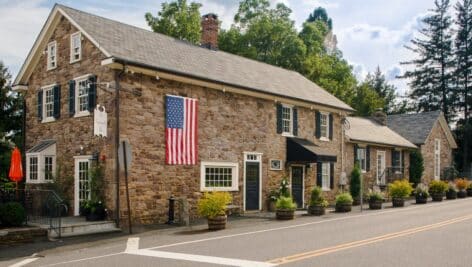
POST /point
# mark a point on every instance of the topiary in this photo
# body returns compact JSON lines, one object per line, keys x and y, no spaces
{"x":355,"y":186}
{"x":12,"y":214}
{"x":416,"y":166}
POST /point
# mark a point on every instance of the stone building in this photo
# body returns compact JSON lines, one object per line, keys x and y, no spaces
{"x":431,"y":133}
{"x":257,"y":123}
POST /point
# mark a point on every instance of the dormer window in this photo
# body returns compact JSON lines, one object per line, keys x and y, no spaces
{"x":52,"y":55}
{"x":75,"y":47}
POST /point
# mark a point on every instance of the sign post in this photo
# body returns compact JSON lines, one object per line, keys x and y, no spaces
{"x":125,"y":161}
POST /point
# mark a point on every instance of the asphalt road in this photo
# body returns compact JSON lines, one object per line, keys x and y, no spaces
{"x":435,"y":234}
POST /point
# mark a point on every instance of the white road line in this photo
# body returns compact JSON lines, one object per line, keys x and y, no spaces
{"x":301,"y":225}
{"x":132,"y":245}
{"x":83,"y":259}
{"x":23,"y":262}
{"x":201,"y":258}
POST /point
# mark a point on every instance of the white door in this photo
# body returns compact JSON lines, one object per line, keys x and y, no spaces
{"x":81,"y":181}
{"x":381,"y":167}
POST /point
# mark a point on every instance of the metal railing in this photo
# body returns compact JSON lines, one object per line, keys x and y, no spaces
{"x":390,"y":174}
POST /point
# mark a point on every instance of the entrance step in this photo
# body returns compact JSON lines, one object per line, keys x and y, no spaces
{"x":76,"y":226}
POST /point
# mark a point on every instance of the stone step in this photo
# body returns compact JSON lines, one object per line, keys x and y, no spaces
{"x":85,"y":228}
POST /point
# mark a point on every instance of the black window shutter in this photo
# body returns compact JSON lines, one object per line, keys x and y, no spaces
{"x":92,"y":94}
{"x":356,"y":159}
{"x":295,"y":121}
{"x":57,"y":101}
{"x":71,"y":98}
{"x":331,"y":175}
{"x":319,"y":179}
{"x":367,"y":158}
{"x":403,"y":159}
{"x":394,"y":155}
{"x":40,"y":105}
{"x":317,"y":124}
{"x":330,"y":126}
{"x":279,"y":118}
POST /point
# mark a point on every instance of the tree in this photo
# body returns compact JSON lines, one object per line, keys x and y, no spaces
{"x":355,"y":185}
{"x":313,"y":35}
{"x":416,"y":166}
{"x":431,"y":80}
{"x":177,"y":19}
{"x":383,"y":89}
{"x":10,"y":120}
{"x":367,"y":100}
{"x":320,"y":14}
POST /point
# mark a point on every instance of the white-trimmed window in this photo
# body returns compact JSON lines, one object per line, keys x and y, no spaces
{"x":75,"y":47}
{"x":48,"y":102}
{"x":287,"y":119}
{"x":437,"y":159}
{"x":324,"y":126}
{"x":325,"y":176}
{"x":397,"y":161}
{"x":52,"y":55}
{"x":362,"y":158}
{"x":48,"y":168}
{"x":41,"y":166}
{"x":219,"y":176}
{"x":32,"y":168}
{"x":82,"y":95}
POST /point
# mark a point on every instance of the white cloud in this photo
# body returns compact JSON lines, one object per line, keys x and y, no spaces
{"x":321,"y":3}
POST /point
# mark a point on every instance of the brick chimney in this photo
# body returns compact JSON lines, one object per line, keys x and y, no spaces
{"x":210,"y":31}
{"x":380,"y":117}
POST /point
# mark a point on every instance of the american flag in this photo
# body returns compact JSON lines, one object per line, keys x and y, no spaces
{"x":181,"y":130}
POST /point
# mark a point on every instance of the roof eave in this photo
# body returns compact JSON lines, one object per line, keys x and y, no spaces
{"x":351,"y":140}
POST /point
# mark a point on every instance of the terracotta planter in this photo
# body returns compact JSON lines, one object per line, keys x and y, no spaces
{"x":462,"y":194}
{"x":469,"y":192}
{"x":271,"y":206}
{"x":343,"y":207}
{"x":316,"y":210}
{"x":398,"y":202}
{"x":217,"y":223}
{"x":421,"y":199}
{"x":285,"y":214}
{"x":451,"y":194}
{"x":375,"y":204}
{"x":437,"y":196}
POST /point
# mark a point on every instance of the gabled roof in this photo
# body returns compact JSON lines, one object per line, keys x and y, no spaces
{"x":41,"y":146}
{"x":416,"y":127}
{"x":140,"y":47}
{"x":369,"y":131}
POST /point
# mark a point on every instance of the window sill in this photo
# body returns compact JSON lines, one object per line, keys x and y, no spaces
{"x":74,"y":61}
{"x":214,"y":189}
{"x":82,"y":114}
{"x":48,"y":68}
{"x":49,"y":119}
{"x":324,"y":139}
{"x":326,"y":189}
{"x":288,"y":135}
{"x":363,"y":171}
{"x":38,"y":182}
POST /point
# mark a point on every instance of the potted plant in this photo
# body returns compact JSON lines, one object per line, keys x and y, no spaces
{"x":451,"y":192}
{"x":318,"y":203}
{"x":213,"y":206}
{"x":437,"y":189}
{"x":462,"y":185}
{"x":344,"y":202}
{"x":355,"y":185}
{"x":93,"y":210}
{"x":285,"y":208}
{"x":469,"y":190}
{"x":399,"y":190}
{"x":421,"y":194}
{"x":375,"y":200}
{"x":272,"y":199}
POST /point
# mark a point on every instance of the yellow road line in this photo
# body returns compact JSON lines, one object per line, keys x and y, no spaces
{"x":323,"y":251}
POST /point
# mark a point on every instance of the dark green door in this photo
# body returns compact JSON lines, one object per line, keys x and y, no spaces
{"x":297,"y":185}
{"x":252,"y":185}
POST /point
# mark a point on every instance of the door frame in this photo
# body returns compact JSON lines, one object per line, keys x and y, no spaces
{"x":384,"y":153}
{"x":78,"y":159}
{"x":303,"y":183}
{"x":258,"y":160}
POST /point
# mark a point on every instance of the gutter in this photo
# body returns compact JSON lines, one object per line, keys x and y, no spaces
{"x":117,"y":144}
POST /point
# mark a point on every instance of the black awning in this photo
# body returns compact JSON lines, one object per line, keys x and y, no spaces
{"x":302,"y":150}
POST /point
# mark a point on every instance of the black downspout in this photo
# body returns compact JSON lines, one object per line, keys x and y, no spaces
{"x":117,"y":144}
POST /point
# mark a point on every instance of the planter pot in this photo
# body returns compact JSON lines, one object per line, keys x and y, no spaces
{"x":437,"y":196}
{"x":421,"y":200}
{"x":98,"y":215}
{"x":398,"y":202}
{"x":285,"y":214}
{"x":344,"y":207}
{"x":462,"y":194}
{"x":316,"y":210}
{"x":469,"y":192}
{"x":451,"y":195}
{"x":375,"y":204}
{"x":217,"y":223}
{"x":356,"y":201}
{"x":271,"y":206}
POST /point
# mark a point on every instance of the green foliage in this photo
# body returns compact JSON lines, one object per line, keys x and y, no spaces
{"x":421,"y":190}
{"x":12,"y":214}
{"x":438,"y":187}
{"x":91,"y":206}
{"x":367,"y":100}
{"x":273,"y":195}
{"x":375,"y":196}
{"x":344,"y":198}
{"x":320,"y":14}
{"x":317,"y":198}
{"x":97,"y":176}
{"x":177,"y":19}
{"x":400,"y":189}
{"x":355,"y":186}
{"x":213,"y":204}
{"x":284,"y":188}
{"x":384,"y":90}
{"x":285,"y":203}
{"x":416,"y":166}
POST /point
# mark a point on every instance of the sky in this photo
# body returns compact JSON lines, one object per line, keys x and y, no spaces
{"x":370,"y":33}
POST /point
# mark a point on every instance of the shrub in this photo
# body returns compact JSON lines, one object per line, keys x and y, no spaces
{"x":375,"y":196}
{"x":213,"y":204}
{"x":416,"y":166}
{"x":285,"y":203}
{"x":12,"y":214}
{"x":451,"y":188}
{"x":273,"y":195}
{"x":284,"y":188}
{"x":421,"y":190}
{"x":470,"y":186}
{"x":355,"y":186}
{"x":461,"y":184}
{"x":344,"y":198}
{"x":400,"y":189}
{"x":317,"y":198}
{"x":437,"y":187}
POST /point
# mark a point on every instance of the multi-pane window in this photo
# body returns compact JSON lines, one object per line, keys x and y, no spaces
{"x":397,"y":160}
{"x":362,"y":158}
{"x":48,"y":168}
{"x":75,"y":47}
{"x":48,"y":103}
{"x":51,"y":55}
{"x":33,"y":168}
{"x":324,"y":125}
{"x":82,"y":94}
{"x":437,"y":158}
{"x":219,"y":176}
{"x":325,"y":176}
{"x":286,"y":119}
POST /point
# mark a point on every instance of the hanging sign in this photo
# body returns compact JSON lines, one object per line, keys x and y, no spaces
{"x":100,"y":119}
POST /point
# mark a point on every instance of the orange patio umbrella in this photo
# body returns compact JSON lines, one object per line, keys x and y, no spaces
{"x":16,"y":168}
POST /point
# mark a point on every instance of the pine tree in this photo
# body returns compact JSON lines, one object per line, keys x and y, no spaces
{"x":385,"y":90}
{"x":431,"y":80}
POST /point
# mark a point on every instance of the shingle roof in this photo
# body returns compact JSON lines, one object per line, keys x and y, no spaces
{"x":42,"y":145}
{"x":414,"y":127}
{"x":162,"y":52}
{"x":369,"y":131}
